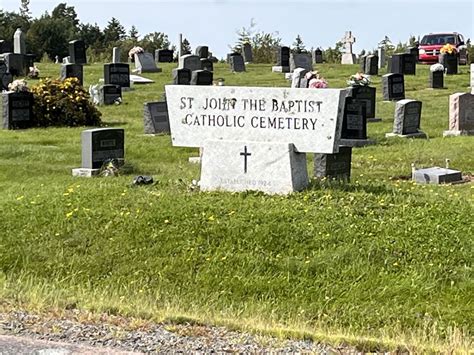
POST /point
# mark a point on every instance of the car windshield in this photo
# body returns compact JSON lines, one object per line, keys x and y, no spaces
{"x":431,"y":40}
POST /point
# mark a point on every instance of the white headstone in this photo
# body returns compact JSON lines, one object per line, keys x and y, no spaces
{"x":382,"y":58}
{"x":348,"y":57}
{"x":265,"y":127}
{"x":19,"y":46}
{"x":116,"y":55}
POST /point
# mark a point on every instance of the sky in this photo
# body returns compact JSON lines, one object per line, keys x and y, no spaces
{"x":319,"y":23}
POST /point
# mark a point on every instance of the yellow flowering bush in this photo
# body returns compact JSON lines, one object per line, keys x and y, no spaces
{"x":63,"y":103}
{"x":448,"y":48}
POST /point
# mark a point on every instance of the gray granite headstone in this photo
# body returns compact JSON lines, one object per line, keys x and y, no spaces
{"x":100,"y":145}
{"x":367,"y":95}
{"x":202,"y":51}
{"x":354,"y":124}
{"x":371,"y":65}
{"x":207,"y":64}
{"x":237,"y":63}
{"x":247,"y":53}
{"x":382,"y":58}
{"x":461,"y":115}
{"x":181,"y":76}
{"x":436,"y":175}
{"x":190,"y":61}
{"x":298,"y":78}
{"x":393,"y":87}
{"x":116,"y":54}
{"x":201,"y":77}
{"x":72,"y":71}
{"x":19,"y":46}
{"x":301,"y":60}
{"x":111,"y":93}
{"x":145,"y":63}
{"x":15,"y":64}
{"x":17,"y":110}
{"x":155,"y":117}
{"x":117,"y":74}
{"x":317,"y":56}
{"x":334,"y":166}
{"x":77,"y":52}
{"x":407,"y":119}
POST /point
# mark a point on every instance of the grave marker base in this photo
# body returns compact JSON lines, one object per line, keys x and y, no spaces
{"x":436,"y":175}
{"x":419,"y":134}
{"x":453,"y":133}
{"x":374,"y":119}
{"x":280,"y":69}
{"x":273,"y":168}
{"x":84,"y":172}
{"x":356,"y":142}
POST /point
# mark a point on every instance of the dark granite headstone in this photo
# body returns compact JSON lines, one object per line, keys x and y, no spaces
{"x":72,"y":71}
{"x":231,"y":55}
{"x":395,"y":63}
{"x":77,"y":52}
{"x":393,"y":87}
{"x":101,"y":144}
{"x":202,"y":51}
{"x":283,"y":57}
{"x":409,"y":64}
{"x":5,"y":77}
{"x":206,"y":64}
{"x":111,"y":93}
{"x":237,"y":63}
{"x":366,"y":95}
{"x":145,"y":63}
{"x":362,"y":59}
{"x":334,"y":166}
{"x":181,"y":76}
{"x":4,"y":47}
{"x":15,"y":64}
{"x":17,"y":110}
{"x":407,"y":117}
{"x":414,"y":51}
{"x":371,"y":65}
{"x":164,"y":55}
{"x":450,"y":63}
{"x":247,"y":53}
{"x":437,"y":79}
{"x":317,"y":56}
{"x":190,"y":61}
{"x":201,"y":77}
{"x":301,"y":60}
{"x":155,"y":117}
{"x":117,"y":74}
{"x":354,"y":124}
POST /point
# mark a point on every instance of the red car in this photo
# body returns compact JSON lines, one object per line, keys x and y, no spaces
{"x":431,"y":44}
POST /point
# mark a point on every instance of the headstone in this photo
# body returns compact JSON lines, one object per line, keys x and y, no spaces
{"x":472,"y":78}
{"x":116,"y":54}
{"x":189,"y":61}
{"x":3,"y":46}
{"x":155,"y":117}
{"x":202,"y":51}
{"x":371,"y":65}
{"x":461,"y":115}
{"x":56,"y":59}
{"x":354,"y":124}
{"x":67,"y":60}
{"x":362,"y":63}
{"x":145,"y":63}
{"x":301,"y":60}
{"x":348,"y":57}
{"x":247,"y":133}
{"x":237,"y":63}
{"x":436,"y":175}
{"x":111,"y":93}
{"x":6,"y":77}
{"x":366,"y":95}
{"x":77,"y":52}
{"x":201,"y":77}
{"x":137,"y":79}
{"x":414,"y":51}
{"x":317,"y":56}
{"x":181,"y":76}
{"x":382,"y":58}
{"x":393,"y":87}
{"x":164,"y":55}
{"x":15,"y":64}
{"x":206,"y":64}
{"x":403,"y":63}
{"x":409,"y":64}
{"x":406,"y":123}
{"x":19,"y":46}
{"x":334,"y":166}
{"x":298,"y":78}
{"x":436,"y":79}
{"x":247,"y":53}
{"x":100,"y":145}
{"x":72,"y":71}
{"x":283,"y":60}
{"x":463,"y":55}
{"x":17,"y":110}
{"x":117,"y":74}
{"x":231,"y":55}
{"x":450,"y":63}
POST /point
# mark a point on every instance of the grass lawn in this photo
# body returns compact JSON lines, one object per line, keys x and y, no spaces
{"x":380,"y":263}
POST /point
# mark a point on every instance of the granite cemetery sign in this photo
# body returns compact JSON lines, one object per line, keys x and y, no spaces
{"x":255,"y":138}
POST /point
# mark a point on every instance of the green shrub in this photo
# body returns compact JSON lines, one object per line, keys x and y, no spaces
{"x":63,"y":103}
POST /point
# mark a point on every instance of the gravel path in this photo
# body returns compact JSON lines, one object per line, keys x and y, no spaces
{"x":117,"y":333}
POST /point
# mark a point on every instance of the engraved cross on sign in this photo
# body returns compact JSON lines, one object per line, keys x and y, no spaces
{"x":245,"y":154}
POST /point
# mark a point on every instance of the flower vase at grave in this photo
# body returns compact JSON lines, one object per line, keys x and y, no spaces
{"x":450,"y":62}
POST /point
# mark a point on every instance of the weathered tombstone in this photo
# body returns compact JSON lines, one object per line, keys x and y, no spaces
{"x":19,"y":46}
{"x":202,"y":51}
{"x":116,"y":54}
{"x":117,"y":74}
{"x":247,"y":52}
{"x":17,"y":110}
{"x":98,"y":146}
{"x":436,"y":77}
{"x":77,"y":52}
{"x":382,"y":58}
{"x":393,"y":87}
{"x":348,"y":57}
{"x":164,"y":55}
{"x":317,"y":56}
{"x":206,"y":64}
{"x":155,"y":117}
{"x":366,"y":95}
{"x":461,"y":115}
{"x":181,"y":76}
{"x":15,"y":63}
{"x":354,"y":124}
{"x":201,"y":77}
{"x":406,"y":123}
{"x":334,"y":166}
{"x":450,"y":63}
{"x":237,"y":63}
{"x":249,"y":139}
{"x":371,"y":65}
{"x":298,"y":78}
{"x":111,"y":93}
{"x":72,"y":71}
{"x":301,"y":60}
{"x":145,"y":63}
{"x":189,"y":61}
{"x":283,"y":60}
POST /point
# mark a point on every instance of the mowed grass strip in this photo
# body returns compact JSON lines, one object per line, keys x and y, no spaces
{"x":381,"y":262}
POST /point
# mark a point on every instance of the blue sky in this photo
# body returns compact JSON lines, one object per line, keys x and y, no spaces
{"x":320,"y":23}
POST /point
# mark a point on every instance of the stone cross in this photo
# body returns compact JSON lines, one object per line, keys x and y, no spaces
{"x":348,"y":41}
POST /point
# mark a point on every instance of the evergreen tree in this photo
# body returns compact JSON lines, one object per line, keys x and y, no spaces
{"x":113,"y":32}
{"x":24,"y":9}
{"x":185,"y":47}
{"x":298,"y":45}
{"x":133,"y":34}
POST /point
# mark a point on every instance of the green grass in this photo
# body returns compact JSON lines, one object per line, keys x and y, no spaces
{"x":380,"y":263}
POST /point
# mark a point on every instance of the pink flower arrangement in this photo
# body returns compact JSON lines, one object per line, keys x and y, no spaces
{"x":316,"y":81}
{"x":359,"y":79}
{"x":135,"y":50}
